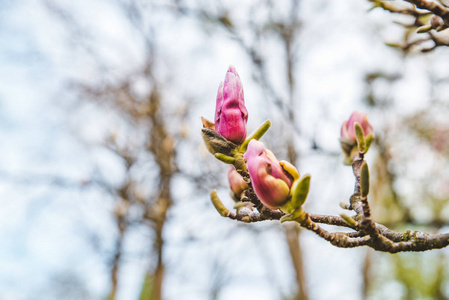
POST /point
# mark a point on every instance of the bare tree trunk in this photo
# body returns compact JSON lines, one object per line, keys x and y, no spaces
{"x":366,"y":273}
{"x":162,"y":147}
{"x":116,"y":262}
{"x":159,"y":271}
{"x":292,"y":231}
{"x":158,"y":275}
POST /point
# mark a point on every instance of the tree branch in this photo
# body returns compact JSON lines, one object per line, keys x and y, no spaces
{"x":367,"y":232}
{"x":433,"y":7}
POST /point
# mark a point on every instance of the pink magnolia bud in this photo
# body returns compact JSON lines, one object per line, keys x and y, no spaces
{"x":236,"y":182}
{"x":230,"y":112}
{"x":347,"y":129}
{"x":270,"y":181}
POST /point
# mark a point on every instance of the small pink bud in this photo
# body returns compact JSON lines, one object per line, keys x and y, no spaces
{"x":347,"y":129}
{"x":230,"y":112}
{"x":270,"y":181}
{"x":236,"y":182}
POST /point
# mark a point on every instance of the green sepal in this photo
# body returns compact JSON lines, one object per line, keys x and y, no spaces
{"x":298,"y":193}
{"x":376,"y":4}
{"x":364,"y":180}
{"x":298,"y":215}
{"x":350,"y":221}
{"x":423,"y":29}
{"x":219,"y":206}
{"x":360,"y":136}
{"x":393,"y":45}
{"x":368,"y":141}
{"x":224,"y":158}
{"x":257,"y":134}
{"x":300,"y":190}
{"x":345,"y":205}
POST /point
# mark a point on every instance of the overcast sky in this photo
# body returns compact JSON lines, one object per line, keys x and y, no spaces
{"x":46,"y":225}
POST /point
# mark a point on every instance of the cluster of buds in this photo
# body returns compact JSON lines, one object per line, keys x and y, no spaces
{"x":276,"y":184}
{"x":256,"y":170}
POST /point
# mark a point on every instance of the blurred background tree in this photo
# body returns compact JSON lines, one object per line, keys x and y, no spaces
{"x":119,"y":166}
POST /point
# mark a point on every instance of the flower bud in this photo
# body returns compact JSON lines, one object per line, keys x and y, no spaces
{"x":230,"y":112}
{"x":236,"y":182}
{"x":351,"y":138}
{"x":270,"y":181}
{"x":347,"y":129}
{"x":437,"y":23}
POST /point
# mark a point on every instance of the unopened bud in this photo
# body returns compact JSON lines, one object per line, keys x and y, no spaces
{"x":437,"y":23}
{"x":230,"y":111}
{"x":236,"y":182}
{"x":271,"y":182}
{"x":356,"y":135}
